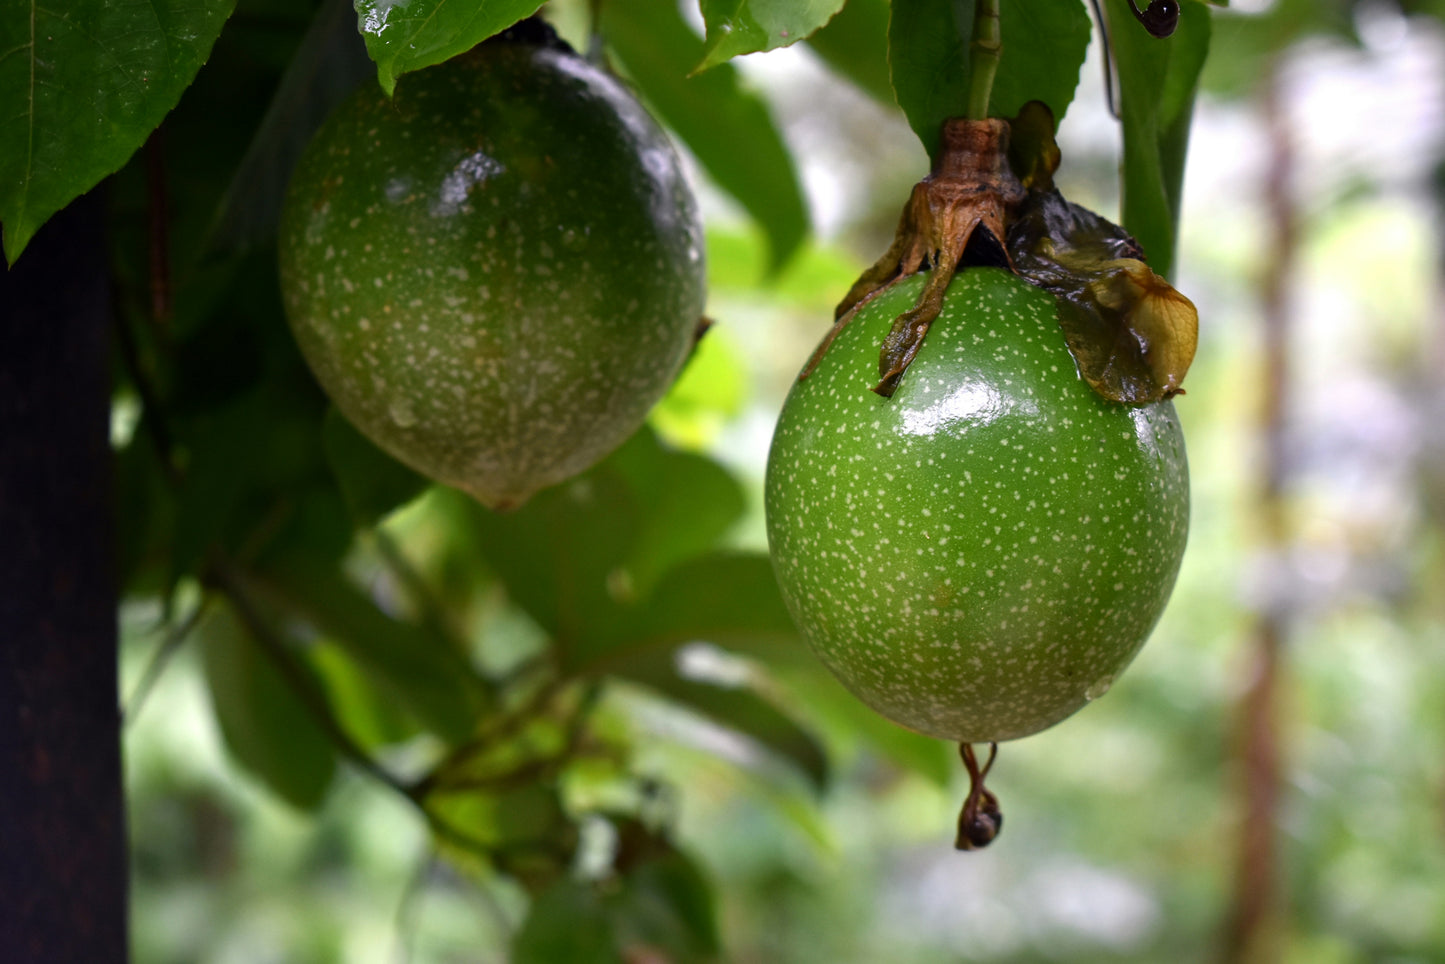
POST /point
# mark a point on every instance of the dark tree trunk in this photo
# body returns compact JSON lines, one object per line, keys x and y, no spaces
{"x":62,"y":828}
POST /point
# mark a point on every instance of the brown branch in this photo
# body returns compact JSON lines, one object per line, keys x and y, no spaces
{"x":1252,"y":930}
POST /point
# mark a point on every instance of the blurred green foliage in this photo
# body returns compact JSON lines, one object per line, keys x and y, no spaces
{"x":370,"y":721}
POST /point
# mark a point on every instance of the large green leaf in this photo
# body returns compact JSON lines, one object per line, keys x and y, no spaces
{"x":726,"y":598}
{"x":727,"y":128}
{"x":1157,"y":83}
{"x":406,"y":35}
{"x":372,"y":482}
{"x":667,"y":903}
{"x":855,"y":44}
{"x":572,"y":922}
{"x":263,"y":721}
{"x":82,"y":85}
{"x":736,"y":27}
{"x":578,"y":557}
{"x":1044,"y":43}
{"x":838,"y":710}
{"x":739,"y":704}
{"x":662,"y":911}
{"x":425,"y":674}
{"x":689,"y":502}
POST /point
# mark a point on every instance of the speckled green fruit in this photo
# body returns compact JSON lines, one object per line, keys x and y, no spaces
{"x":981,"y":555}
{"x":496,"y":273}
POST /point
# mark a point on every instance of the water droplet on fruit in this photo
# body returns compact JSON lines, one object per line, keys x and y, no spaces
{"x":1099,"y":687}
{"x":402,"y":413}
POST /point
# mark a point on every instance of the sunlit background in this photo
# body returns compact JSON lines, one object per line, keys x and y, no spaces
{"x":1313,"y":590}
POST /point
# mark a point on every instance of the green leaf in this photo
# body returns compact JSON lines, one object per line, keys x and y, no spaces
{"x":736,"y":27}
{"x":667,"y":903}
{"x":928,"y":41}
{"x":1157,"y":83}
{"x":423,"y":673}
{"x":364,"y":710}
{"x":264,"y":724}
{"x":561,"y":556}
{"x":578,"y":555}
{"x":689,"y":502}
{"x":372,"y":483}
{"x":663,"y":911}
{"x":407,"y":35}
{"x":736,"y":703}
{"x":330,"y":62}
{"x":839,"y":710}
{"x":726,"y":598}
{"x":855,"y":44}
{"x":569,"y":922}
{"x":1255,"y":40}
{"x":727,"y":128}
{"x":82,"y":85}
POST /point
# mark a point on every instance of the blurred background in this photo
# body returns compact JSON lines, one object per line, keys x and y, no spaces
{"x":1267,"y":782}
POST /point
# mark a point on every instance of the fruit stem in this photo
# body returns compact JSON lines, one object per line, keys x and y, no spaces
{"x":985,"y":50}
{"x":980,"y":820}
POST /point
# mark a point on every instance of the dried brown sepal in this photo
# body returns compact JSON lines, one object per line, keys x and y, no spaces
{"x":1132,"y":335}
{"x":954,"y":217}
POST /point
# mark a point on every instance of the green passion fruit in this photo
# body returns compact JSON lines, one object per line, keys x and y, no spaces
{"x":497,"y":272}
{"x":982,"y":554}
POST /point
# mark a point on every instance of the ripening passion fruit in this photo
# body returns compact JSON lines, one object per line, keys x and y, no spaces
{"x":497,"y":272}
{"x":982,"y":554}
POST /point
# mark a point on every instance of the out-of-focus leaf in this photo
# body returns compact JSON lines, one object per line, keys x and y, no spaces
{"x":736,"y":27}
{"x":1157,"y":83}
{"x":264,"y":724}
{"x":422,"y":672}
{"x":329,"y":64}
{"x":570,"y":922}
{"x":666,"y":903}
{"x":928,"y":42}
{"x":1252,"y":40}
{"x":828,"y":701}
{"x":562,"y":555}
{"x":364,"y":710}
{"x":730,"y":599}
{"x":579,"y":556}
{"x":509,"y":817}
{"x":688,"y":503}
{"x":242,"y":458}
{"x":710,"y":391}
{"x":413,"y":34}
{"x":82,"y":85}
{"x":855,"y":44}
{"x":727,"y":128}
{"x":372,"y":482}
{"x":663,"y":911}
{"x":737,"y":704}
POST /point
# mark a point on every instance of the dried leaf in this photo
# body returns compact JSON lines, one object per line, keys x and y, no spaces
{"x":1132,"y":335}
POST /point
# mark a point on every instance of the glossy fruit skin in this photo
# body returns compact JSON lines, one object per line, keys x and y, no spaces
{"x":982,"y":554}
{"x":496,"y":273}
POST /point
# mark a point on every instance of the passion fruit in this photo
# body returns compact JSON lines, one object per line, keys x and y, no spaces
{"x":495,"y":273}
{"x":982,"y":554}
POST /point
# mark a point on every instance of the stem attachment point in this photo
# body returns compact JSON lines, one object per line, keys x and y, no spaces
{"x":980,"y":820}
